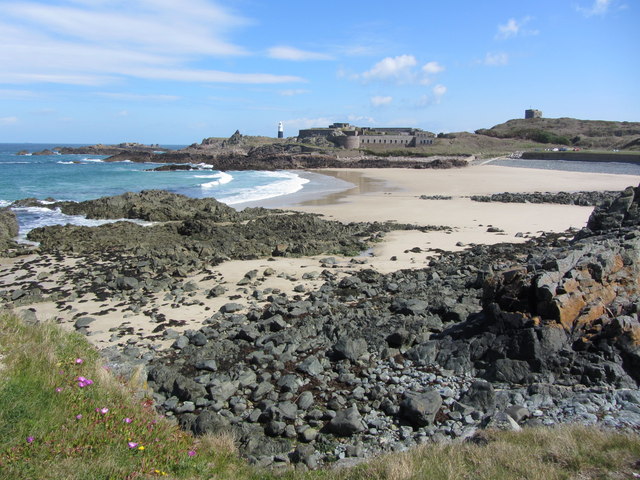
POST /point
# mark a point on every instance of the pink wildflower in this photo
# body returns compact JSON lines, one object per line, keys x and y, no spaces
{"x":84,"y":382}
{"x":132,"y":444}
{"x":102,"y":410}
{"x":127,"y":420}
{"x":79,"y":361}
{"x":30,"y":439}
{"x":58,"y":390}
{"x":191,"y":453}
{"x":79,"y":416}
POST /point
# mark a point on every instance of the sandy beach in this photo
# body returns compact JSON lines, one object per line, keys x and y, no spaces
{"x":377,"y":195}
{"x":393,"y":194}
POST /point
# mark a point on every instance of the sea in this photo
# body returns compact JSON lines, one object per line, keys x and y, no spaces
{"x":77,"y":178}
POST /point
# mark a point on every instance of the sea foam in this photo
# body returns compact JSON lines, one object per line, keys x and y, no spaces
{"x":289,"y":183}
{"x":34,"y":217}
{"x":222,"y":179}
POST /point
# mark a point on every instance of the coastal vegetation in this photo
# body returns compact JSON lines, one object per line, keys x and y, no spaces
{"x":590,"y":134}
{"x":64,"y":415}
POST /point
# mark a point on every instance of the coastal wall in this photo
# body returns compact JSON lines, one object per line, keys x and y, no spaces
{"x":584,"y":156}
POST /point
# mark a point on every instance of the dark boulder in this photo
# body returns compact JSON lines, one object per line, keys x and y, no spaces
{"x":420,"y":409}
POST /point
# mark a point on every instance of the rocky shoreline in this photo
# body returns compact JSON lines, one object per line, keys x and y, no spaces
{"x":98,"y":149}
{"x":585,"y":199}
{"x":361,"y":362}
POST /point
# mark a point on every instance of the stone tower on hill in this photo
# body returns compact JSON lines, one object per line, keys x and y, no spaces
{"x":531,"y":113}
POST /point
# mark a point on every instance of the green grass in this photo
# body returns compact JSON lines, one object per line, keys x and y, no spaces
{"x":49,"y":426}
{"x":41,"y":436}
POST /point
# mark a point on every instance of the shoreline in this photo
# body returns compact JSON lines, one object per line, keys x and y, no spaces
{"x":351,"y":195}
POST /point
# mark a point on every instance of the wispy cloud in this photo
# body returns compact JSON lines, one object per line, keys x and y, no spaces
{"x":6,"y":121}
{"x":439,"y":91}
{"x":290,"y":53}
{"x":302,"y":123}
{"x":379,"y":101}
{"x":426,"y":100}
{"x":495,"y":59}
{"x":89,"y":42}
{"x":8,"y":94}
{"x":402,"y":69}
{"x":293,"y":92}
{"x":599,"y":7}
{"x":514,"y":28}
{"x":138,"y":97}
{"x":361,"y":119}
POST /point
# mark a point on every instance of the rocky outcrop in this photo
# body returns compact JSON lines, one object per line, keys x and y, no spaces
{"x":150,"y":205}
{"x":621,"y":212}
{"x":587,"y":199}
{"x":202,"y":229}
{"x":99,"y":149}
{"x":8,"y":230}
{"x":270,"y":158}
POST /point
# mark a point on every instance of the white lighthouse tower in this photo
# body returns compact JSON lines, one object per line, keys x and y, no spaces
{"x":280,"y":130}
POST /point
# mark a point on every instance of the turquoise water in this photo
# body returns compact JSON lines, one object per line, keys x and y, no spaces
{"x":84,"y":177}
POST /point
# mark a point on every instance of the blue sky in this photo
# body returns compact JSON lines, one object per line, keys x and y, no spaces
{"x":177,"y":71}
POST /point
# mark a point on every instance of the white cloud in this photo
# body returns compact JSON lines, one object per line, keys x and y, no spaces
{"x":6,"y":121}
{"x":398,"y":68}
{"x":293,"y":91}
{"x":291,"y":53}
{"x":432,"y":68}
{"x":123,"y":113}
{"x":401,"y":70}
{"x":495,"y":59}
{"x":514,"y":28}
{"x":510,"y":29}
{"x":439,"y":91}
{"x":599,"y":7}
{"x":95,"y":42}
{"x":378,"y":101}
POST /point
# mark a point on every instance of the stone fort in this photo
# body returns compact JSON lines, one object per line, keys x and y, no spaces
{"x":349,"y":136}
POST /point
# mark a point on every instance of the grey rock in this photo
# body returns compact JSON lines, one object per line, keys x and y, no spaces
{"x":480,"y":395}
{"x":420,"y":409}
{"x":305,"y":400}
{"x":502,"y":421}
{"x":209,"y":365}
{"x":347,"y":422}
{"x":181,"y":342}
{"x":231,"y":307}
{"x":83,"y":322}
{"x":350,"y":348}
{"x":311,"y":365}
{"x":210,"y":422}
